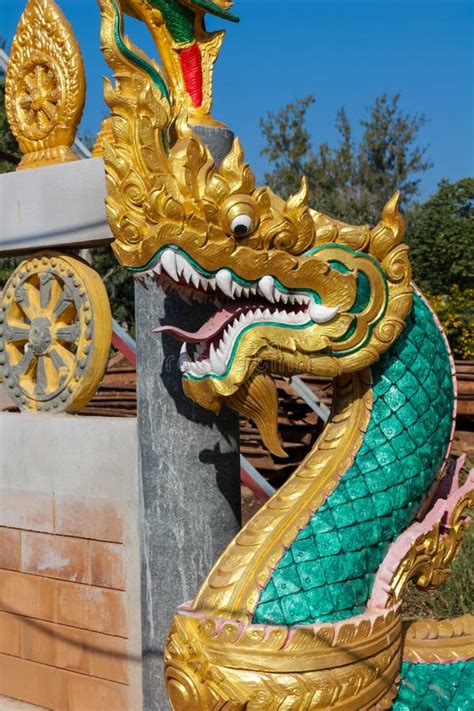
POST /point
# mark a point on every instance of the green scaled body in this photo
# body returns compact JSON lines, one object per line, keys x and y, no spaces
{"x":436,"y":687}
{"x":328,"y":571}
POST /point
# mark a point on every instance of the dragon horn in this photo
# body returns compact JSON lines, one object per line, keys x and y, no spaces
{"x":299,"y":213}
{"x":390,"y":230}
{"x":300,"y":198}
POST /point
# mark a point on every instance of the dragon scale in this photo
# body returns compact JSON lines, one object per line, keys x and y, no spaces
{"x":302,"y":610}
{"x":327,"y":572}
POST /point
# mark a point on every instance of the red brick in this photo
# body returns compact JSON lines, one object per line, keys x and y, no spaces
{"x":109,"y":657}
{"x":27,"y":595}
{"x":87,"y":694}
{"x":95,"y":609}
{"x":107,"y":568}
{"x":10,"y":549}
{"x":29,"y":510}
{"x":10,"y":634}
{"x":86,"y":517}
{"x":55,"y":556}
{"x":30,"y":682}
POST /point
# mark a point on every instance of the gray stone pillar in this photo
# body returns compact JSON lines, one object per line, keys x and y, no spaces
{"x":189,"y":471}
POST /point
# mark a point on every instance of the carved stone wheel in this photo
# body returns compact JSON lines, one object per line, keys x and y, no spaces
{"x":55,"y":333}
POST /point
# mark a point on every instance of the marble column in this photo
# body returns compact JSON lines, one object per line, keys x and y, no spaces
{"x":189,"y":470}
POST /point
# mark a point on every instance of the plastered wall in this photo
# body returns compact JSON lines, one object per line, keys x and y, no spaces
{"x":69,"y":563}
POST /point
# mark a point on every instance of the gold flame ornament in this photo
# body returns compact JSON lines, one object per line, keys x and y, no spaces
{"x":45,"y":86}
{"x":187,"y":50}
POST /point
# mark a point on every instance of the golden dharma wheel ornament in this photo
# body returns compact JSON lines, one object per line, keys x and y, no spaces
{"x":55,"y":333}
{"x":45,"y":86}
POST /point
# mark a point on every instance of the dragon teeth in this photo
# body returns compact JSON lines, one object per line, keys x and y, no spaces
{"x":219,"y":354}
{"x":226,"y":337}
{"x":224,"y":282}
{"x":266,"y":286}
{"x":200,"y":368}
{"x":184,"y":360}
{"x":175,"y":266}
{"x":195,"y":279}
{"x":180,"y":264}
{"x":168,"y":261}
{"x":320,"y":313}
{"x":187,"y":271}
{"x":217,"y":361}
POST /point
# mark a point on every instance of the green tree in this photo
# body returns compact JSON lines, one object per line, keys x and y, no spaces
{"x":355,"y":178}
{"x":9,"y":152}
{"x":441,"y":238}
{"x":9,"y":157}
{"x":119,"y":284}
{"x":455,"y":310}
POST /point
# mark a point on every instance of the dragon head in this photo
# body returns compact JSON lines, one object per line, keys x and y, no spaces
{"x":294,"y":290}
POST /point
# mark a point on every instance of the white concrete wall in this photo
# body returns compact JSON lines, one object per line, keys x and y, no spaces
{"x":55,"y":206}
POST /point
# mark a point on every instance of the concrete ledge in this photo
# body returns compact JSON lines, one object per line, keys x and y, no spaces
{"x":78,"y":456}
{"x":53,"y":207}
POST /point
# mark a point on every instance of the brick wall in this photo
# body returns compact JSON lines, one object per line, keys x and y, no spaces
{"x":68,"y":593}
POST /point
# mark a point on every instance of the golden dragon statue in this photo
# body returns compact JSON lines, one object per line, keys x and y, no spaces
{"x":302,"y":610}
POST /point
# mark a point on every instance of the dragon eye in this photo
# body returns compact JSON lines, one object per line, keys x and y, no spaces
{"x":239,"y":215}
{"x":241,"y":225}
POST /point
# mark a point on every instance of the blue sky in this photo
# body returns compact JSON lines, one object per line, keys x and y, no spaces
{"x":345,"y":52}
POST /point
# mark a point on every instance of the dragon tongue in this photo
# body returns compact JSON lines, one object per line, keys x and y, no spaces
{"x":209,"y":330}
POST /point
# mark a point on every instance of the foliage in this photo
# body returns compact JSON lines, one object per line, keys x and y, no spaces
{"x":455,"y":310}
{"x":441,"y":238}
{"x":119,"y":285}
{"x":354,"y":179}
{"x":8,"y":147}
{"x":8,"y":144}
